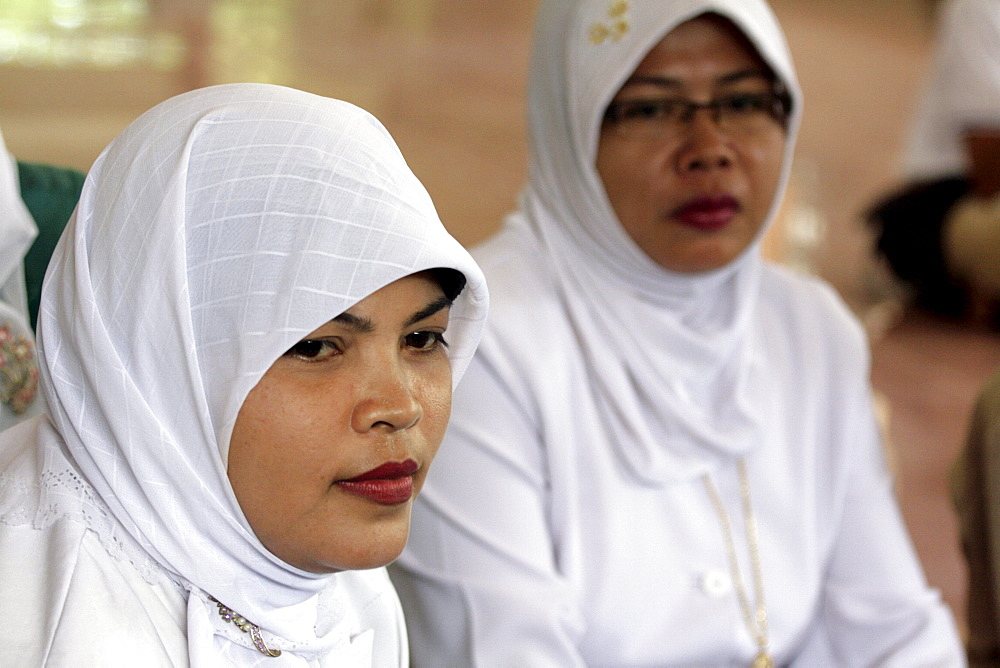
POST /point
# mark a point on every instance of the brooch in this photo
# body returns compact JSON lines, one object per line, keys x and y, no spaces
{"x":18,"y":370}
{"x":245,"y":625}
{"x":615,"y":25}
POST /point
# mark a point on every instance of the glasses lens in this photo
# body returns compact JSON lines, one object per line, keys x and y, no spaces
{"x":741,"y":113}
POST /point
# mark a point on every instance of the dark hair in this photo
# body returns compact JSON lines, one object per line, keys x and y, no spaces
{"x":908,"y":225}
{"x":452,"y":281}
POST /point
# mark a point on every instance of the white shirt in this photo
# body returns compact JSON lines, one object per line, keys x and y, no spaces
{"x":533,"y":545}
{"x":71,"y":599}
{"x":566,"y":520}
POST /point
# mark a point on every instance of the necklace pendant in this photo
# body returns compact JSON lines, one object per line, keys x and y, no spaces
{"x":762,"y":660}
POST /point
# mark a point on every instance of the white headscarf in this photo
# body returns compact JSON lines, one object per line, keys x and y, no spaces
{"x":215,"y":232}
{"x":962,"y":90}
{"x":669,"y":353}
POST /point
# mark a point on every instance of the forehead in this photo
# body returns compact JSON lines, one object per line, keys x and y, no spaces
{"x":705,"y":47}
{"x":404,"y":301}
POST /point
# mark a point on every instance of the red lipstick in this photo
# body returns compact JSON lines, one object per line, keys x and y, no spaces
{"x":389,"y":484}
{"x":708,"y":214}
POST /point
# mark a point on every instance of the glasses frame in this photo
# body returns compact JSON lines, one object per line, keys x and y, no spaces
{"x":780,"y":103}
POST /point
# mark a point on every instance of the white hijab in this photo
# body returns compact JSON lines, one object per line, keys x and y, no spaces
{"x":962,"y":89}
{"x":216,"y":231}
{"x":671,"y":355}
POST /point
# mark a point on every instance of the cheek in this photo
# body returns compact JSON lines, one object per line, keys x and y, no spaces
{"x":436,"y":400}
{"x":276,"y":420}
{"x":628,"y":177}
{"x":277,"y":449}
{"x":764,"y":161}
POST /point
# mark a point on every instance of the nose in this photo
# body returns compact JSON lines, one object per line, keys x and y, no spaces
{"x":386,"y":402}
{"x":706,"y":147}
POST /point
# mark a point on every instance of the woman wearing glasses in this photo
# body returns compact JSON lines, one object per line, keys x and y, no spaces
{"x":664,"y":451}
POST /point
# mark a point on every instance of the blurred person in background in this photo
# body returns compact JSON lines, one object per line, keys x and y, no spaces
{"x":36,"y":201}
{"x":664,"y":453}
{"x":940,"y":231}
{"x":976,"y":493}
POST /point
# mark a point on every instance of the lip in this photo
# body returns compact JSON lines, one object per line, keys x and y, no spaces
{"x":709,"y":213}
{"x":389,"y":484}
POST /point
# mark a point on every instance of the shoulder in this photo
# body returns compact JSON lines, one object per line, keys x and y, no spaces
{"x":66,"y":601}
{"x":518,"y":272}
{"x":807,"y":332}
{"x":528,"y":325}
{"x":808,"y":307}
{"x":524,"y":290}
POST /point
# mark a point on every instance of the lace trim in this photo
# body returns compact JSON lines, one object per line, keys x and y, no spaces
{"x":63,"y":494}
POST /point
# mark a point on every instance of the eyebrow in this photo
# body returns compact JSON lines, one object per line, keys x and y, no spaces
{"x":429,"y":310}
{"x":355,"y":322}
{"x":366,"y":326}
{"x":667,"y":82}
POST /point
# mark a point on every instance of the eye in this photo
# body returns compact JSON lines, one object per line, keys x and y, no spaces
{"x":314,"y":350}
{"x":644,"y":110}
{"x":424,"y":340}
{"x":745,"y":104}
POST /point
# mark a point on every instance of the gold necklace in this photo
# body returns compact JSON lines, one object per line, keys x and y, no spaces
{"x":754,"y":617}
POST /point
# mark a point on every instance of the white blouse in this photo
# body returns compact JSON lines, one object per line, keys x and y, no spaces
{"x":533,"y":544}
{"x":216,"y":231}
{"x":70,"y":598}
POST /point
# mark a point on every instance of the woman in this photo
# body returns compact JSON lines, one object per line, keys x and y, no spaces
{"x":940,"y":230}
{"x":961,"y":92}
{"x":19,"y":398}
{"x":36,"y":201}
{"x":975,"y":488}
{"x":664,"y":451}
{"x":242,"y":347}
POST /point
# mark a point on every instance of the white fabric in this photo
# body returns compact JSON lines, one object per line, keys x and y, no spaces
{"x":216,"y":231}
{"x":17,"y":232}
{"x":565,"y":522}
{"x":962,"y":89}
{"x":650,"y":393}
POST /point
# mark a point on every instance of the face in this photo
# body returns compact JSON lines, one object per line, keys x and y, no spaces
{"x":334,"y":442}
{"x":694,"y":196}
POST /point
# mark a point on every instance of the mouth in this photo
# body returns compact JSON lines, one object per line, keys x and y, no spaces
{"x":389,"y":484}
{"x":708,"y":214}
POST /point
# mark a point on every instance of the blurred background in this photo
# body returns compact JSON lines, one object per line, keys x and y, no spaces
{"x":447,"y":79}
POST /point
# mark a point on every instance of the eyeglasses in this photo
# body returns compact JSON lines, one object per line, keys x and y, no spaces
{"x":738,"y":114}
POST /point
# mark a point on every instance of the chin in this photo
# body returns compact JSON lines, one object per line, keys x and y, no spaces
{"x":354,"y":562}
{"x":709,"y":257}
{"x":361,"y":555}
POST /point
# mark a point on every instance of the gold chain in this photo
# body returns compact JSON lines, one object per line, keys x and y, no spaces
{"x":755,"y":617}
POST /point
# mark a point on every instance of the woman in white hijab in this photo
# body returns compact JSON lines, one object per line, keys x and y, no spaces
{"x":939,"y":231}
{"x":19,"y":398}
{"x":962,"y":91}
{"x":242,"y":344}
{"x":664,"y":452}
